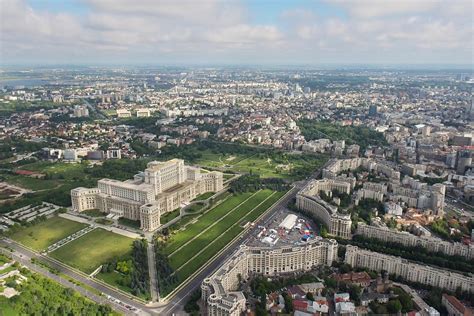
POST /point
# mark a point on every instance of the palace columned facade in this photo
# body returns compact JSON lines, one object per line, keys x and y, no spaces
{"x":161,"y":188}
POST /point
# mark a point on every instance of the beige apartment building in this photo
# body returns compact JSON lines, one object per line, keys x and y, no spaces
{"x":219,"y":290}
{"x":161,"y":188}
{"x":432,"y":244}
{"x":414,"y":272}
{"x":339,"y":224}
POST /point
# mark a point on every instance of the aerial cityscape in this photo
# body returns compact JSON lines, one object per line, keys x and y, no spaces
{"x":236,"y":158}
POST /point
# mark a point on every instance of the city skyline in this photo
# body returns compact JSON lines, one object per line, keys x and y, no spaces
{"x":96,"y":32}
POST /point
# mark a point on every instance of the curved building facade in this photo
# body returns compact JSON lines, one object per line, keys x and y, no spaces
{"x":308,"y":199}
{"x":218,"y":290}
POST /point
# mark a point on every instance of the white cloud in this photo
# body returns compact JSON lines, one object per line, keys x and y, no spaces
{"x":210,"y":30}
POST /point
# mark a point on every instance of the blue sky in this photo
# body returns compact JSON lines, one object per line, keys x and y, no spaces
{"x":236,"y":32}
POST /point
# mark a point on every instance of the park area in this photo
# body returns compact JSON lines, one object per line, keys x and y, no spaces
{"x":189,"y":249}
{"x":288,"y":166}
{"x":43,"y":234}
{"x":88,"y":252}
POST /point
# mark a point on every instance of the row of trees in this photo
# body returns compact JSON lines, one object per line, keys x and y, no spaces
{"x":121,"y":169}
{"x":360,"y":135}
{"x":133,"y":269}
{"x":167,"y":279}
{"x":192,"y":307}
{"x":13,"y":145}
{"x":262,"y":285}
{"x":42,"y":296}
{"x":433,"y":297}
{"x":252,"y":183}
{"x":415,"y":253}
{"x":140,"y":277}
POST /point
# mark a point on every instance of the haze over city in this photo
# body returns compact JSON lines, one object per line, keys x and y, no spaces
{"x":236,"y":32}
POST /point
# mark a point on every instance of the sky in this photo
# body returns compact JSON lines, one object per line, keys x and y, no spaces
{"x":251,"y":32}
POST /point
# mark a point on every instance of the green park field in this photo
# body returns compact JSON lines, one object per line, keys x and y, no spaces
{"x":190,"y":248}
{"x":41,"y":235}
{"x":88,"y":252}
{"x":287,"y":166}
{"x":240,"y":163}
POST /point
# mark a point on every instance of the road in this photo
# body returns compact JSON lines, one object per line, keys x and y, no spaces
{"x":174,"y":306}
{"x":25,"y":261}
{"x":93,"y":109}
{"x":25,"y":254}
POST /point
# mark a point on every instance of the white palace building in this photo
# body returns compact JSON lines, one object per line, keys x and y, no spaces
{"x":161,"y":188}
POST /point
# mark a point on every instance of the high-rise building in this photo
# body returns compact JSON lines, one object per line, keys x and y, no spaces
{"x":373,"y":110}
{"x":463,"y":161}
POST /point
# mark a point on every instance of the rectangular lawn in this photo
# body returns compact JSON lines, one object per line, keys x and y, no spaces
{"x":88,"y":252}
{"x":205,"y":220}
{"x":233,"y":217}
{"x":213,"y":246}
{"x":46,"y":233}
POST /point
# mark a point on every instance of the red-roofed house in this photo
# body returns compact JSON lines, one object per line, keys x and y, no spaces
{"x":455,"y":307}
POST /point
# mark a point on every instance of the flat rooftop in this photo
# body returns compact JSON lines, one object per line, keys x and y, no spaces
{"x":271,"y":234}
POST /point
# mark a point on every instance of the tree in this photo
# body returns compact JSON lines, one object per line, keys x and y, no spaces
{"x":310,"y":296}
{"x":394,"y":306}
{"x":330,"y":282}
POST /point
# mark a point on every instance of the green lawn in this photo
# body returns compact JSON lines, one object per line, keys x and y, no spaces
{"x":104,"y":221}
{"x":6,"y":270}
{"x":46,"y":233}
{"x":6,"y":309}
{"x":204,"y":221}
{"x":68,"y":170}
{"x":165,"y":218}
{"x":264,"y":164}
{"x":94,"y":213}
{"x":215,"y":239}
{"x":129,"y":222}
{"x":204,"y":196}
{"x":58,"y":172}
{"x":118,"y":280}
{"x":31,"y":183}
{"x":88,"y":252}
{"x":4,"y":259}
{"x":232,"y":216}
{"x":241,"y":163}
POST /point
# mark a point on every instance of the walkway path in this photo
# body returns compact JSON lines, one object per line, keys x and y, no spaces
{"x":116,"y":230}
{"x":223,"y":234}
{"x":69,"y":238}
{"x":155,"y":296}
{"x":213,"y":224}
{"x":183,"y":211}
